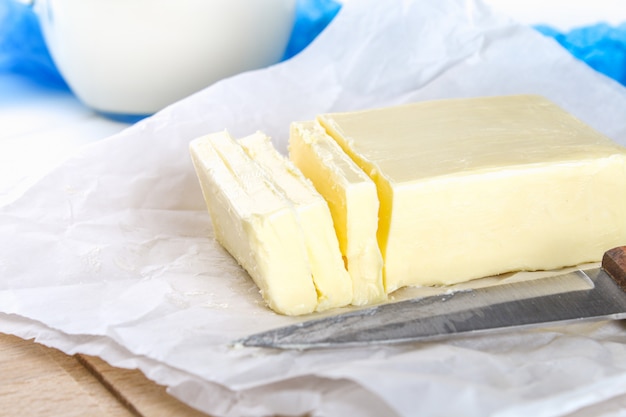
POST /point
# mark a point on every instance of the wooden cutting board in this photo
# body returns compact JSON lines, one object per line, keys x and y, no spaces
{"x":39,"y":381}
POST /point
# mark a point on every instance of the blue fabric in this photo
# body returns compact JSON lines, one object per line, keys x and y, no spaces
{"x":22,"y":48}
{"x":312,"y":16}
{"x":601,"y":46}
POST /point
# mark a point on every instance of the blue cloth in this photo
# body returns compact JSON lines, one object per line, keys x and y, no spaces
{"x":312,"y":16}
{"x":22,"y":48}
{"x":601,"y":46}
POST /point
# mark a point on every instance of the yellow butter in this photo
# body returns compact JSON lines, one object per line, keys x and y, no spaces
{"x":476,"y":187}
{"x":333,"y":284}
{"x":353,"y":202}
{"x":254,"y":221}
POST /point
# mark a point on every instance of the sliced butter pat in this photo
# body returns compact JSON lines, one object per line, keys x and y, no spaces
{"x":330,"y":277}
{"x":255,"y":223}
{"x":351,"y":196}
{"x":476,"y":187}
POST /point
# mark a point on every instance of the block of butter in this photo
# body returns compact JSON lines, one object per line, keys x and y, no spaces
{"x":333,"y":284}
{"x":353,"y":202}
{"x":256,"y":223}
{"x":476,"y":187}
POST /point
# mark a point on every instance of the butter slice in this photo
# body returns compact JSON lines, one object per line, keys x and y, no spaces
{"x":477,"y":187}
{"x":333,"y":284}
{"x":353,"y":202}
{"x":255,"y":223}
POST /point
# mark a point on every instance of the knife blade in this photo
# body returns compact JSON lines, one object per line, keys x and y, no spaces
{"x":593,"y":294}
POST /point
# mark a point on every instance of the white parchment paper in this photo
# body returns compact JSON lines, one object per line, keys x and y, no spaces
{"x":113,"y":253}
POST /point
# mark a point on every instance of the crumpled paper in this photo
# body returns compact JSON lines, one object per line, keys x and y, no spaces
{"x":112,"y":254}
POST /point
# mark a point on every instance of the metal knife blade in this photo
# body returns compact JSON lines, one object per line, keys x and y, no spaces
{"x":581,"y":295}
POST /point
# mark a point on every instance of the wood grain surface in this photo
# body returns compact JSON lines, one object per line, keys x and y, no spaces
{"x":36,"y":380}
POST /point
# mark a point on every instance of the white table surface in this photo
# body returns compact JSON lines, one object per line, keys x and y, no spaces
{"x":40,"y":128}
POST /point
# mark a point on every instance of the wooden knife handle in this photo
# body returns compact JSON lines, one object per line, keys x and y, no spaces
{"x":614,"y":263}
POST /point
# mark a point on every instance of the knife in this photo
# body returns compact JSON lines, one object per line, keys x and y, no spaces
{"x":593,"y":294}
